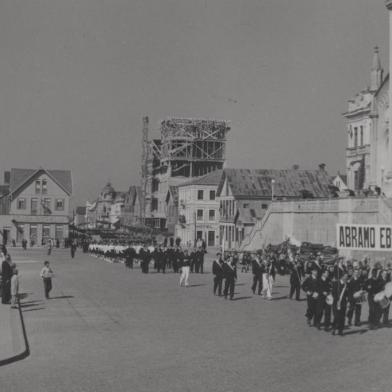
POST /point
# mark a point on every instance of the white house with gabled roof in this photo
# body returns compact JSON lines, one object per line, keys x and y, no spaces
{"x":36,"y":206}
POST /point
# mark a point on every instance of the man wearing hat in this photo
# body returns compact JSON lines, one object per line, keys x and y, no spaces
{"x":230,"y":275}
{"x":295,"y":278}
{"x":310,"y":286}
{"x":355,"y":285}
{"x":257,"y":271}
{"x":217,"y":271}
{"x":340,"y":297}
{"x":372,"y":286}
{"x":322,"y":307}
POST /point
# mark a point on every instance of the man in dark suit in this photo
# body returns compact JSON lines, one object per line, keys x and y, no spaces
{"x":339,"y":307}
{"x":169,"y":254}
{"x":372,"y":286}
{"x":6,"y":275}
{"x":257,"y":271}
{"x":144,"y":255}
{"x":355,"y":284}
{"x":201,"y":252}
{"x":130,"y":255}
{"x":310,"y":287}
{"x":230,"y":273}
{"x":176,"y":260}
{"x":322,"y":308}
{"x":161,"y":260}
{"x":217,"y":270}
{"x":295,"y":279}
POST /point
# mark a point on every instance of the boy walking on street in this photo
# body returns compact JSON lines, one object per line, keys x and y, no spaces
{"x":47,"y":275}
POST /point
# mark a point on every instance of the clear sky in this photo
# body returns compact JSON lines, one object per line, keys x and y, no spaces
{"x":77,"y":76}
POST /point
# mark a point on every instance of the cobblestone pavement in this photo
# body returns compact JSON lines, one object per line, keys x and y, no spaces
{"x":108,"y":329}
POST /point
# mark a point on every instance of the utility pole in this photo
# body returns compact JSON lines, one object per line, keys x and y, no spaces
{"x":194,"y":218}
{"x":144,"y":173}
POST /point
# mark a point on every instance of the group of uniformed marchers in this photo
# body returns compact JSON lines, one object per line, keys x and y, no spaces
{"x":336,"y":289}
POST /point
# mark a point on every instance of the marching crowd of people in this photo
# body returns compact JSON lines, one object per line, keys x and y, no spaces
{"x":340,"y":289}
{"x":335,"y":289}
{"x":164,"y":258}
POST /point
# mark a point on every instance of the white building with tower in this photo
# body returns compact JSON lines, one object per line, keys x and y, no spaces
{"x":369,"y":148}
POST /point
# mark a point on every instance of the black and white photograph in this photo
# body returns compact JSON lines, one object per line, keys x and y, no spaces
{"x":195,"y":195}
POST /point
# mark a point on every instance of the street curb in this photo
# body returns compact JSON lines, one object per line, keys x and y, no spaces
{"x":26,"y":352}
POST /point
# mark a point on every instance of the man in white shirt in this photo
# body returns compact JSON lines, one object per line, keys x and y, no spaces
{"x":47,"y":275}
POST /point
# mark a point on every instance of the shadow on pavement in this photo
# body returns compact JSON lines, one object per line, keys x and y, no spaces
{"x":24,"y":295}
{"x":62,"y":297}
{"x":23,"y":306}
{"x":33,"y":309}
{"x":279,"y":298}
{"x":359,"y":331}
{"x":197,"y":285}
{"x":241,"y":298}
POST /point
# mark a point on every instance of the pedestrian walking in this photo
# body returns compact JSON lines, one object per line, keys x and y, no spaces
{"x":217,"y":270}
{"x":185,"y":269}
{"x":14,"y":288}
{"x":50,"y":246}
{"x":230,"y":272}
{"x":47,"y":275}
{"x":257,"y":271}
{"x":73,"y":248}
{"x":6,"y":275}
{"x":145,"y":257}
{"x":339,"y":307}
{"x":295,"y":279}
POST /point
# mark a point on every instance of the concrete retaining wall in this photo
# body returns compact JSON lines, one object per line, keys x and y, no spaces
{"x":315,"y":221}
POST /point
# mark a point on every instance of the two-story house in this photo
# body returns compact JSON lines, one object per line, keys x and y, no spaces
{"x":36,"y":207}
{"x":199,"y":210}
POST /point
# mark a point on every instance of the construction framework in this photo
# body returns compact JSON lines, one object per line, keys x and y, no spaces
{"x":186,"y":148}
{"x":192,"y":147}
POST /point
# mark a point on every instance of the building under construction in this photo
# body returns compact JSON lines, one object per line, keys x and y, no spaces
{"x":187,"y":148}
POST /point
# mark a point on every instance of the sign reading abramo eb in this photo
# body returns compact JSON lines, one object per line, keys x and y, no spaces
{"x":364,"y":237}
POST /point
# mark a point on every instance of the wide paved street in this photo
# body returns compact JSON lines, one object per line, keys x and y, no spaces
{"x":107,"y":329}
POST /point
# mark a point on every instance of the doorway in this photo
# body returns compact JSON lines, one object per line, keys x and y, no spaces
{"x":211,"y":238}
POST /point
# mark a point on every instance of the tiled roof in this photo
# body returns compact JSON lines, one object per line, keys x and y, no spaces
{"x":257,"y":184}
{"x":212,"y":178}
{"x":20,"y":176}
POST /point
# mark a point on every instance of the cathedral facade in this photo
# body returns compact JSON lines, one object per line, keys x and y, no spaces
{"x":369,"y":144}
{"x":367,"y":153}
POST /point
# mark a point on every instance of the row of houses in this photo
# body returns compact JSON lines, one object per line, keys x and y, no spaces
{"x":112,"y":209}
{"x":220,"y":207}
